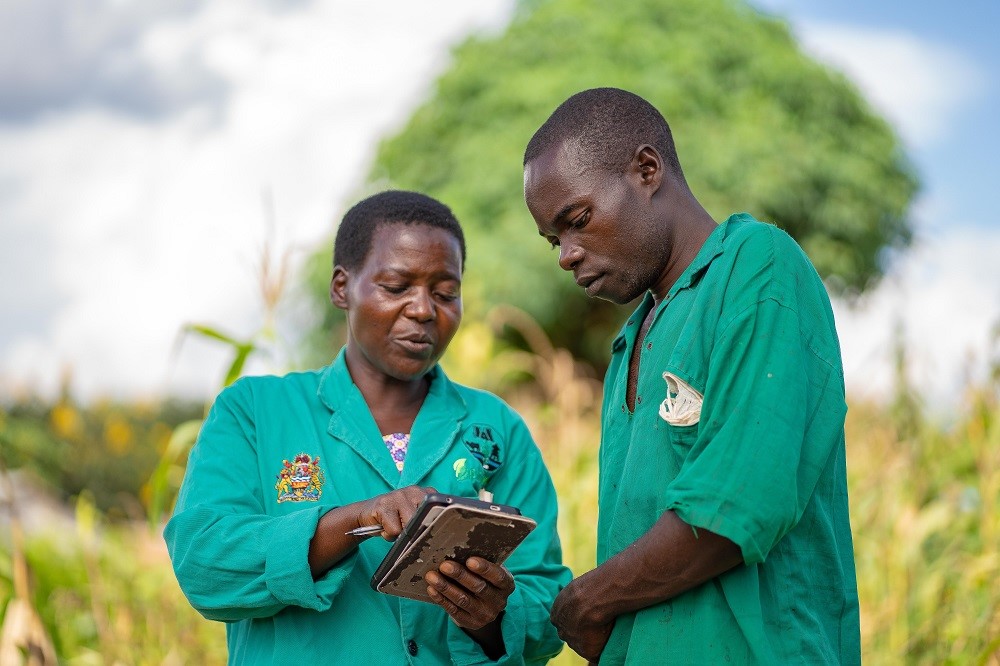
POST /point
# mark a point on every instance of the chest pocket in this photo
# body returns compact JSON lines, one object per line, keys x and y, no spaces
{"x":681,"y":410}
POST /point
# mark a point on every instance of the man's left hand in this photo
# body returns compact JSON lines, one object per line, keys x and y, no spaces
{"x":572,"y":616}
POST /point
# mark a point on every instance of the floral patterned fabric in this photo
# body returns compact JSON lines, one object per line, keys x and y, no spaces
{"x":397,"y":443}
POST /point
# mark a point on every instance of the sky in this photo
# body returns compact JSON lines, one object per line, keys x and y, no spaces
{"x":149,"y":152}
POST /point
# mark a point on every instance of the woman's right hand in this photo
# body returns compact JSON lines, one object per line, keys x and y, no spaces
{"x":392,"y":510}
{"x":331,"y":542}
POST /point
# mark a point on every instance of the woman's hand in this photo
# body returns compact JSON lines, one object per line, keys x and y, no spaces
{"x":392,"y":510}
{"x":474,"y":594}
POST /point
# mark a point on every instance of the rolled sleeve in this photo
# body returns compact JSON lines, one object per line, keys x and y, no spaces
{"x":752,"y":469}
{"x":288,"y":580}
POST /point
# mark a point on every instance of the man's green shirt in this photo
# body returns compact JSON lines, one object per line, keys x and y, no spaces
{"x":749,"y":327}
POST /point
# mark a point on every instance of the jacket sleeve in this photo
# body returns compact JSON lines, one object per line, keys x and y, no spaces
{"x":234,"y":561}
{"x":539,"y":575}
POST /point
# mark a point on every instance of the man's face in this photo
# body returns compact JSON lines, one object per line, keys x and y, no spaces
{"x":404,"y":303}
{"x":600,"y":221}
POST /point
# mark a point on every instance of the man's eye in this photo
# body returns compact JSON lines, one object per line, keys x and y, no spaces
{"x":581,"y":221}
{"x":553,"y":243}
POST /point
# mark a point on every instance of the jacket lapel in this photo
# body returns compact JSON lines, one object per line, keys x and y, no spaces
{"x":437,"y":425}
{"x":351,"y":421}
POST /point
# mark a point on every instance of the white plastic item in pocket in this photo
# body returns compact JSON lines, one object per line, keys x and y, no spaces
{"x":683,"y":404}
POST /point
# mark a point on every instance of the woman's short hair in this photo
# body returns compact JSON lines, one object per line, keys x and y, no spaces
{"x":354,"y":236}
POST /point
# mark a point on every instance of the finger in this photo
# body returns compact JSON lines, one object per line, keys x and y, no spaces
{"x":461,"y":617}
{"x":389,"y":519}
{"x":470,"y":581}
{"x":482,"y":605}
{"x":472,"y":594}
{"x":451,"y":597}
{"x":497,"y":575}
{"x":476,"y":616}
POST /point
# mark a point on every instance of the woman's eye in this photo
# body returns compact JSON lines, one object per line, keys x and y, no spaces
{"x":393,"y":288}
{"x":447,"y":297}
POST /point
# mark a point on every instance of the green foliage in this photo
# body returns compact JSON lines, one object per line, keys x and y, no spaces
{"x":759,"y":126}
{"x":107,"y":448}
{"x":241,"y":349}
{"x":925,"y":506}
{"x":106,"y":595}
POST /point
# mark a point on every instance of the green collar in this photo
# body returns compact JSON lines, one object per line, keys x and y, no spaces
{"x":437,"y":424}
{"x":712,"y":248}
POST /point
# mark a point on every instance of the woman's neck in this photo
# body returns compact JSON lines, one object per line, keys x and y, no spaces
{"x":394,"y":403}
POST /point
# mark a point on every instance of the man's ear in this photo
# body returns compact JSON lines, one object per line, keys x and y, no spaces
{"x":647,"y":165}
{"x":338,"y":287}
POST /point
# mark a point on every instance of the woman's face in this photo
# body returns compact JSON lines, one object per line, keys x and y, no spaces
{"x":404,"y":303}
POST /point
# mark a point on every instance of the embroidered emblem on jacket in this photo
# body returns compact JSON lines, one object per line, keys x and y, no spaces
{"x":485,"y":446}
{"x":300,"y":480}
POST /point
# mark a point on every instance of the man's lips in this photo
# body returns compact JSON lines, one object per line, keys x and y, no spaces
{"x":589,"y":282}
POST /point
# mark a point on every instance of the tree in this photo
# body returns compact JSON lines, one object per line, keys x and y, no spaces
{"x":759,"y":127}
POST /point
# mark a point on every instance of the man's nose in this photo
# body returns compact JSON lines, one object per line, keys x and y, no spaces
{"x":569,"y":256}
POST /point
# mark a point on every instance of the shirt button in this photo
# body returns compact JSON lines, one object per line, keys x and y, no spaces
{"x":649,"y":345}
{"x":638,"y":399}
{"x":623,"y":408}
{"x":411,"y":647}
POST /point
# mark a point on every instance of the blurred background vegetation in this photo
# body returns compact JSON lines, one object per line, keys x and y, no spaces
{"x":759,"y":127}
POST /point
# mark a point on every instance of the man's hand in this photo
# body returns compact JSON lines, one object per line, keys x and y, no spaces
{"x":573,"y":618}
{"x":668,"y":560}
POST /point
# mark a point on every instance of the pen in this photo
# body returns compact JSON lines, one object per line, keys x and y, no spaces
{"x":367,"y":530}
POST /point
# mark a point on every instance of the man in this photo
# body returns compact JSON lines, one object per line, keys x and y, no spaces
{"x":723,"y":534}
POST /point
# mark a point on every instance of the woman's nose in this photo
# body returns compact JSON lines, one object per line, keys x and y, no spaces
{"x":421,"y":306}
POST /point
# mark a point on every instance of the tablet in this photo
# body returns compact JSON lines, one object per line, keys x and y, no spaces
{"x":448,"y":527}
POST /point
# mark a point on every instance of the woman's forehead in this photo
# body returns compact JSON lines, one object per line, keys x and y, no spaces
{"x":410,"y":246}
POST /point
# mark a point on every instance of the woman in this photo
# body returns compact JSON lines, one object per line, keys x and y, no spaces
{"x":285,"y":466}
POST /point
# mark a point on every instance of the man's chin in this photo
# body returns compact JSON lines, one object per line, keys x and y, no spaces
{"x":616,"y":297}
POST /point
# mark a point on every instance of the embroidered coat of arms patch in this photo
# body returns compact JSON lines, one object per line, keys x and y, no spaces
{"x":300,"y":480}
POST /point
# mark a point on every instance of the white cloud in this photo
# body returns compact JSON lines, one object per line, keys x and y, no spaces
{"x":919,"y":85}
{"x":119,"y":226}
{"x":944,"y":295}
{"x":138,"y":223}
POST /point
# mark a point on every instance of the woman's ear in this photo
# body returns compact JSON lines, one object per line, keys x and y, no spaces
{"x":338,"y":287}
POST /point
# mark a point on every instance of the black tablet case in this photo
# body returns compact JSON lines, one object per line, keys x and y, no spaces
{"x":448,"y":527}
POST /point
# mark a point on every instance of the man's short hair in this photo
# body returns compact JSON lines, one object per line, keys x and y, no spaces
{"x":354,"y":236}
{"x":608,"y":124}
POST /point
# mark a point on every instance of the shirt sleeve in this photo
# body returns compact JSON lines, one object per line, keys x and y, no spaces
{"x":539,"y":575}
{"x":769,"y":424}
{"x":234,"y":561}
